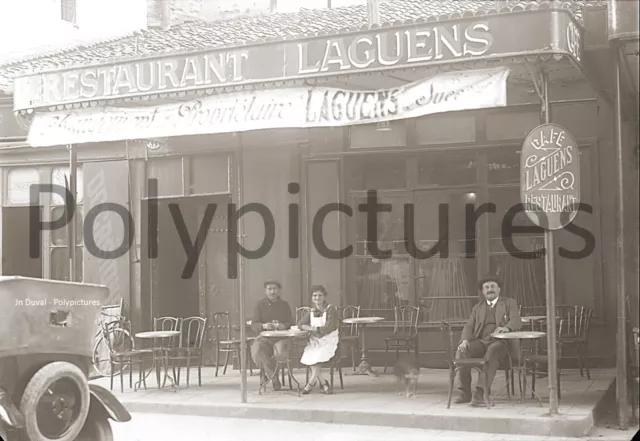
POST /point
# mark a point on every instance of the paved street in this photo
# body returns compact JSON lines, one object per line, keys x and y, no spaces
{"x":161,"y":427}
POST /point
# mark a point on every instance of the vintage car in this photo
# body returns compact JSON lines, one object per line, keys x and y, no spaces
{"x":46,"y":341}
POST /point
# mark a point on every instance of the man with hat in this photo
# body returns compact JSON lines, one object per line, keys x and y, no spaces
{"x":494,"y":314}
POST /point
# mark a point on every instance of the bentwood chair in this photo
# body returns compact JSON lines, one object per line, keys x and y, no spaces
{"x":535,"y":362}
{"x":190,"y":348}
{"x":226,"y":343}
{"x":350,"y":333}
{"x":122,"y":353}
{"x":577,"y":320}
{"x":296,"y":349}
{"x":476,"y":364}
{"x":161,"y":346}
{"x":405,"y":332}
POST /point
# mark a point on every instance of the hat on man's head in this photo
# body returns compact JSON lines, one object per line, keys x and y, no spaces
{"x":489,"y":278}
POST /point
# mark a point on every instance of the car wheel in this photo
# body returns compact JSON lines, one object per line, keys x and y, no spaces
{"x":96,"y":428}
{"x":55,"y":403}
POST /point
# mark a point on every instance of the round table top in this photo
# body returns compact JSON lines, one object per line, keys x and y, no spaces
{"x":157,"y":334}
{"x":520,"y":335}
{"x":529,"y":318}
{"x":285,"y":333}
{"x":361,"y":320}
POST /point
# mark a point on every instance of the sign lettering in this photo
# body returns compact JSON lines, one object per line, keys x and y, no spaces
{"x":418,"y":45}
{"x":275,"y":108}
{"x":550,"y":176}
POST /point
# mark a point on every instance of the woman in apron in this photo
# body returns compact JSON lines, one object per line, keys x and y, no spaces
{"x":323,"y":323}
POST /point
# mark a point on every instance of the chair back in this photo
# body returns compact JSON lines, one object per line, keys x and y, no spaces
{"x":406,"y":320}
{"x":576,"y":320}
{"x":117,"y":335}
{"x":167,"y":324}
{"x":449,"y":344}
{"x":347,"y":312}
{"x":193,"y":330}
{"x":222,"y":326}
{"x":301,"y":311}
{"x":526,"y":311}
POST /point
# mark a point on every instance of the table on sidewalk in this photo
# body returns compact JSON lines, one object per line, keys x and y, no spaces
{"x":520,"y":336}
{"x":531,"y":319}
{"x":153,"y":335}
{"x":279,"y":335}
{"x":364,"y":368}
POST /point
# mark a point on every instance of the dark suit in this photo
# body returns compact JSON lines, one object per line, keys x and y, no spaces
{"x":507,"y":315}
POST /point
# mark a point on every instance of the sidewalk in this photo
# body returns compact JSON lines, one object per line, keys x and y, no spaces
{"x":372,"y":401}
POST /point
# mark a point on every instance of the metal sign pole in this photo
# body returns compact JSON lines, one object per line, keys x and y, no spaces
{"x":241,"y":284}
{"x":550,"y":269}
{"x":71,"y":239}
{"x":621,"y":359}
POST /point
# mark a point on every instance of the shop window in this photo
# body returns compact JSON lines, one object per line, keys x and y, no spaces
{"x":169,"y":173}
{"x":445,"y":282}
{"x":60,"y":176}
{"x":20,"y":181}
{"x":522,"y":279}
{"x":447,"y":169}
{"x":377,"y":173}
{"x":59,"y":242}
{"x":382,"y":284}
{"x":391,"y":134}
{"x":445,"y":129}
{"x":210,"y":174}
{"x":503,"y":166}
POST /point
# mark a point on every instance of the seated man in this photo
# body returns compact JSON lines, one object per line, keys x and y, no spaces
{"x":269,"y":309}
{"x":495,"y":314}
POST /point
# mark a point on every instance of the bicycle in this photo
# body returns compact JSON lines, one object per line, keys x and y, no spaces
{"x":119,"y":339}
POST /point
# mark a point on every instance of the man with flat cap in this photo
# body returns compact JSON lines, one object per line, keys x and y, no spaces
{"x":494,"y":314}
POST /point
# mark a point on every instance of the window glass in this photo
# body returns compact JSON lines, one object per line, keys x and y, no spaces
{"x":60,"y":176}
{"x":20,"y":181}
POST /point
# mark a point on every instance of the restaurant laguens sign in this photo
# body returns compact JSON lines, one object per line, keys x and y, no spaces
{"x":276,"y":108}
{"x":387,"y":48}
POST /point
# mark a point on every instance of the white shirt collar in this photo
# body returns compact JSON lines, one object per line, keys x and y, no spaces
{"x":492,"y":303}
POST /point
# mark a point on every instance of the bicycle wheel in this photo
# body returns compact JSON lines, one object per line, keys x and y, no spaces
{"x":121,"y":341}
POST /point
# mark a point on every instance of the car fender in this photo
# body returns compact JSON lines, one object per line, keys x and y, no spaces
{"x":104,"y":400}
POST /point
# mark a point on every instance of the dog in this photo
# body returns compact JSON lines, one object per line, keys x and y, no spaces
{"x":407,"y":372}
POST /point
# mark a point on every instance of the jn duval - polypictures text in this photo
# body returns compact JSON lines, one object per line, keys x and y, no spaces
{"x":192,"y":247}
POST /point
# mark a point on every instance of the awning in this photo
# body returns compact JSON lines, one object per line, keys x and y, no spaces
{"x":542,"y":29}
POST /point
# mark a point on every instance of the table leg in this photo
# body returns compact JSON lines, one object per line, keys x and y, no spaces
{"x":364,"y":368}
{"x":522,"y":373}
{"x":137,"y":384}
{"x":165,"y":363}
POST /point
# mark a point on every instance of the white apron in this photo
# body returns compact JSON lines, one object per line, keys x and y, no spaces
{"x":320,"y":350}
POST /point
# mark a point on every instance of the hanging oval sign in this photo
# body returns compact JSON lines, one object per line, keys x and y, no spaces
{"x":550,"y":176}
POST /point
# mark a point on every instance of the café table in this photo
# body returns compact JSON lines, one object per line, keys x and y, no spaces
{"x":364,"y":368}
{"x":279,"y":335}
{"x":520,"y":336}
{"x":153,"y":335}
{"x":532,"y":318}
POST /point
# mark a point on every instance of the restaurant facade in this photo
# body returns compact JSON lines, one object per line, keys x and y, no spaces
{"x":429,"y":112}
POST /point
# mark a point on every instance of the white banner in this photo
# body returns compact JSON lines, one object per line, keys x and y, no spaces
{"x":276,"y":108}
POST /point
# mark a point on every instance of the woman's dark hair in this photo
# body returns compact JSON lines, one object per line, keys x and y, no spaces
{"x":319,"y":288}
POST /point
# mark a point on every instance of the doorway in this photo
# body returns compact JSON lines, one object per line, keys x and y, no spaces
{"x":204,"y":289}
{"x":16,"y":241}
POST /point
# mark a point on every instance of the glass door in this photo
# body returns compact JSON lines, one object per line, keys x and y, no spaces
{"x":381,"y":284}
{"x":445,"y":281}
